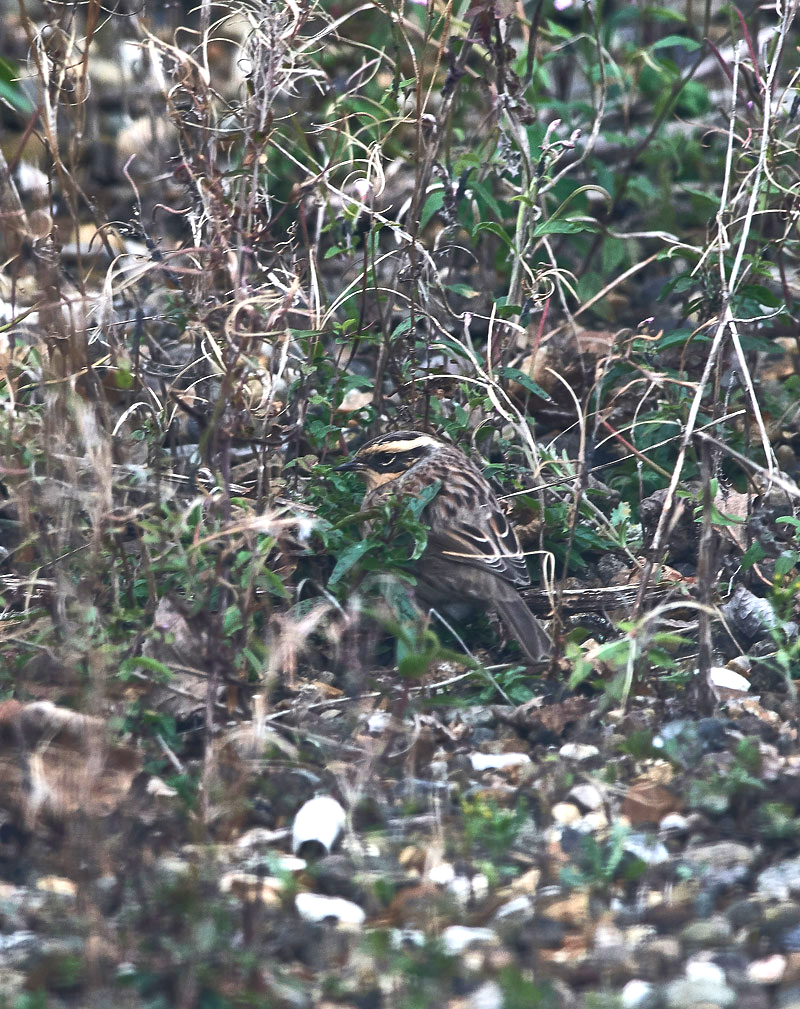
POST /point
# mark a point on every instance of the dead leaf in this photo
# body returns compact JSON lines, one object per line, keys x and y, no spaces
{"x":646,"y":802}
{"x":550,"y":718}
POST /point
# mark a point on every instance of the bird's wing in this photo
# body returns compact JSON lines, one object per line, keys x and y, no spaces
{"x":492,"y":546}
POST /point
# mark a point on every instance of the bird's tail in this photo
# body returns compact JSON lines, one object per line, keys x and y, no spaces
{"x":533,"y":638}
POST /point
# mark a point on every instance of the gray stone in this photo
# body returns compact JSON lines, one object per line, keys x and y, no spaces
{"x":488,"y":996}
{"x":13,"y":904}
{"x":789,"y":941}
{"x":650,"y":850}
{"x":686,"y":994}
{"x":170,"y":868}
{"x":745,"y":913}
{"x":479,"y":716}
{"x":16,"y":949}
{"x":789,"y":998}
{"x":722,"y":864}
{"x":704,"y":970}
{"x":12,"y":985}
{"x":708,"y":932}
{"x":659,"y":956}
{"x":780,"y":918}
{"x":107,"y":893}
{"x":458,"y":938}
{"x":514,"y":912}
{"x":780,"y":881}
{"x":578,"y":751}
{"x":674,"y":824}
{"x":587,"y":796}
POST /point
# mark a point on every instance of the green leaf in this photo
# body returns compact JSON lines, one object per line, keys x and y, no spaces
{"x":420,"y":542}
{"x":661,"y":14}
{"x":516,"y":375}
{"x":483,"y":194}
{"x":415,"y":653}
{"x":10,"y":90}
{"x":753,"y":555}
{"x":129,"y":666}
{"x":495,"y":229}
{"x":563,"y":226}
{"x":686,"y":282}
{"x":232,"y":621}
{"x":761,"y":294}
{"x":506,"y":309}
{"x":560,"y":31}
{"x":457,"y":350}
{"x":466,"y":160}
{"x":465,"y":290}
{"x":348,"y":559}
{"x":400,"y":328}
{"x":693,"y":100}
{"x":702,"y":195}
{"x":719,"y":518}
{"x":274,"y":582}
{"x":432,"y":206}
{"x":690,"y":45}
{"x":123,"y":378}
{"x":612,"y":254}
{"x":785,"y":563}
{"x":681,"y":336}
{"x":417,"y":504}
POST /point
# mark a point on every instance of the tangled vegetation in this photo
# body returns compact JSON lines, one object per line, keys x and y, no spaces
{"x":240,"y":239}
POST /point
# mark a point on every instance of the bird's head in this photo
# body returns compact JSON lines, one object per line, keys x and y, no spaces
{"x":389,"y":456}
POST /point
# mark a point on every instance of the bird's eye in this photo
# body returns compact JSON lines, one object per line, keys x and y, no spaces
{"x":387,"y":460}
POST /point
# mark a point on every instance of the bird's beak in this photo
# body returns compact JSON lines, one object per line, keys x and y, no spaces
{"x":351,"y":466}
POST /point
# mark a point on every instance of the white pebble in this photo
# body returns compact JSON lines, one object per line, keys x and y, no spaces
{"x":316,"y":907}
{"x":320,"y":822}
{"x":770,"y":970}
{"x":578,"y":751}
{"x":636,"y":994}
{"x":497,"y":761}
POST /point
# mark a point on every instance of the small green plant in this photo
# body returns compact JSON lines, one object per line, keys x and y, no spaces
{"x":10,"y":91}
{"x":491,"y":829}
{"x":717,"y":792}
{"x":515,"y":685}
{"x":31,"y":1000}
{"x":779,"y":822}
{"x":385,"y":540}
{"x":521,"y":993}
{"x":187,"y":954}
{"x":622,"y":656}
{"x":639,"y":744}
{"x":785,"y":590}
{"x":626,"y":534}
{"x":603,"y":862}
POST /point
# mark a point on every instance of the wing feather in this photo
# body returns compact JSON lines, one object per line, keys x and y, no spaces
{"x":493,"y":546}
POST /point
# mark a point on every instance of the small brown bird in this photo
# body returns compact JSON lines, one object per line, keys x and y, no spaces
{"x":473,"y":553}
